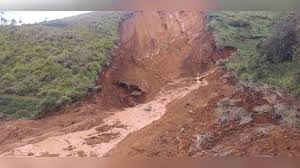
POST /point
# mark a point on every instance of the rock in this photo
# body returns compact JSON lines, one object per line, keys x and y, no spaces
{"x":266,"y":86}
{"x":182,"y":130}
{"x":2,"y":116}
{"x":95,"y":88}
{"x":263,"y":109}
{"x":191,"y":111}
{"x":226,"y":102}
{"x":239,"y":23}
{"x":271,"y":98}
{"x":224,"y":153}
{"x":30,"y":154}
{"x":202,"y":142}
{"x":148,"y":108}
{"x":245,"y":119}
{"x":226,"y":76}
{"x":10,"y":90}
{"x":136,"y":93}
{"x":264,"y":130}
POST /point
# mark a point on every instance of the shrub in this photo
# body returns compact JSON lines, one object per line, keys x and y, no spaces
{"x":297,"y":71}
{"x":49,"y":104}
{"x":19,"y":106}
{"x":279,"y":47}
{"x":289,"y":116}
{"x":227,"y":112}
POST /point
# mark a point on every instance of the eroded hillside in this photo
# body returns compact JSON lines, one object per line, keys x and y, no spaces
{"x":164,"y":96}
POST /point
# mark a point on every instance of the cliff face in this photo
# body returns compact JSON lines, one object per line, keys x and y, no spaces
{"x":156,"y":48}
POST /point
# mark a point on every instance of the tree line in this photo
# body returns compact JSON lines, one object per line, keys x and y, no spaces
{"x":5,"y":21}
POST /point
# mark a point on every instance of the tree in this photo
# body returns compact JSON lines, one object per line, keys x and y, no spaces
{"x":298,"y":16}
{"x":1,"y":17}
{"x":297,"y":53}
{"x":3,"y":21}
{"x":13,"y":22}
{"x":20,"y":21}
{"x":297,"y":64}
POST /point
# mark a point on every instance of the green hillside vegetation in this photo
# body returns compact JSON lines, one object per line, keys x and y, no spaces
{"x":48,"y":65}
{"x":267,"y":43}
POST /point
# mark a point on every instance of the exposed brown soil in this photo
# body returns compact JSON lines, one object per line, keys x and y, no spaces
{"x":156,"y":48}
{"x":159,"y":97}
{"x":174,"y":135}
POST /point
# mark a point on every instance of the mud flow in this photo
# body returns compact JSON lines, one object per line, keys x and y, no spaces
{"x":157,"y":48}
{"x":158,"y":98}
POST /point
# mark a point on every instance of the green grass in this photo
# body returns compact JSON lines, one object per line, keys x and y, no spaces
{"x":47,"y":65}
{"x":245,"y":39}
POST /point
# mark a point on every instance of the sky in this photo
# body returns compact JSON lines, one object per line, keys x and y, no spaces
{"x":29,"y":17}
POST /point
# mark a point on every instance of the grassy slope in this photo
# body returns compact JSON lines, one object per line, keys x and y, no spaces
{"x":47,"y":65}
{"x":245,"y":39}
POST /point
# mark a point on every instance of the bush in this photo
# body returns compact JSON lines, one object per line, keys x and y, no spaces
{"x":289,"y":116}
{"x":227,"y":112}
{"x":49,"y":103}
{"x":297,"y":61}
{"x":279,"y":47}
{"x":19,"y":106}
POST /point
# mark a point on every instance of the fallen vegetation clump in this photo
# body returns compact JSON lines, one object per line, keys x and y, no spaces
{"x":201,"y":143}
{"x":288,"y":115}
{"x":228,"y":112}
{"x":283,"y":113}
{"x":269,"y":100}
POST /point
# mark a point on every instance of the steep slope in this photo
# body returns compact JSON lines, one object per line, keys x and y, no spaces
{"x":47,"y":65}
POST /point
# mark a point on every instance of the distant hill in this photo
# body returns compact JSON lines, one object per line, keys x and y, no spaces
{"x":47,"y":65}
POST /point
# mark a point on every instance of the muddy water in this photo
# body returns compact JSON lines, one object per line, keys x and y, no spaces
{"x":120,"y":125}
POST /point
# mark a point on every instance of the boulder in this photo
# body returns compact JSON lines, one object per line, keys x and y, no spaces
{"x":148,"y":108}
